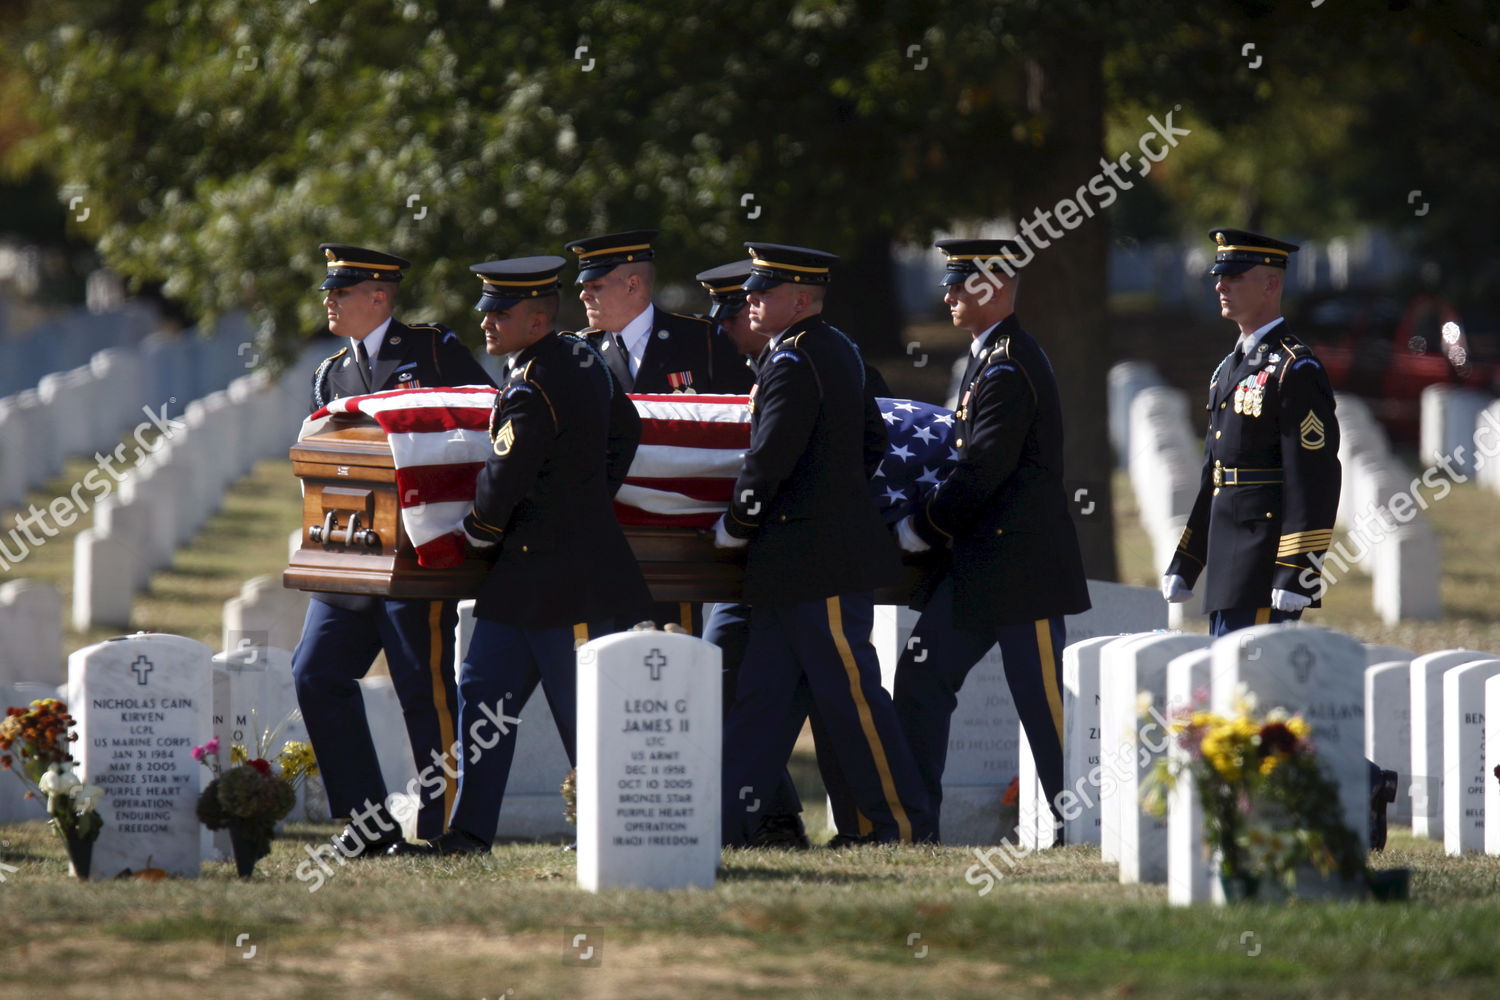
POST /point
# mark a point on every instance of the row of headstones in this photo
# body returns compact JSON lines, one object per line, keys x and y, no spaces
{"x":176,"y":485}
{"x":1461,"y":430}
{"x":1166,"y":467}
{"x":1120,"y":695}
{"x":1427,"y":717}
{"x":1423,"y":717}
{"x":85,"y":410}
{"x":1386,"y":536}
{"x":142,"y":703}
{"x":68,"y":340}
{"x":263,"y":614}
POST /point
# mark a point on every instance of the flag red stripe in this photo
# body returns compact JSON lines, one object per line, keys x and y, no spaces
{"x":695,"y":434}
{"x":434,"y":419}
{"x":419,"y":484}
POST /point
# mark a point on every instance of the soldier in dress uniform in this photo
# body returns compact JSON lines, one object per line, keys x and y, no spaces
{"x":1270,"y":488}
{"x":817,"y":550}
{"x":343,"y":633}
{"x":649,"y":350}
{"x":1011,"y":565}
{"x":563,"y":571}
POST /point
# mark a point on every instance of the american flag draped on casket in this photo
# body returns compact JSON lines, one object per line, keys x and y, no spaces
{"x":692,"y":448}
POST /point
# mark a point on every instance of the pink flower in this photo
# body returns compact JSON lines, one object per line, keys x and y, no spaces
{"x":199,"y":753}
{"x":212,"y":746}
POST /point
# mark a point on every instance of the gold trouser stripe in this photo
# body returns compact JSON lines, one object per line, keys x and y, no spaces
{"x":440,"y":698}
{"x":580,"y":634}
{"x":865,"y":826}
{"x":1262,"y":616}
{"x":685,"y":615}
{"x":1049,"y":674}
{"x":866,"y":720}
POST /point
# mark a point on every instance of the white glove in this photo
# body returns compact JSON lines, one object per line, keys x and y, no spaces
{"x":724,"y":540}
{"x":1175,"y":589}
{"x":907,"y":537}
{"x":1288,"y":601}
{"x":480,"y":544}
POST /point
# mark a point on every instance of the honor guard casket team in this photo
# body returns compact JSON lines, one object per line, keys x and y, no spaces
{"x":1001,"y":554}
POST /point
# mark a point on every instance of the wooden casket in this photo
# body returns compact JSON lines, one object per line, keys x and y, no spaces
{"x":354,"y":542}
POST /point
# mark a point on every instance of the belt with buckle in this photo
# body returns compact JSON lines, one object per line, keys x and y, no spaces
{"x":1245,"y":477}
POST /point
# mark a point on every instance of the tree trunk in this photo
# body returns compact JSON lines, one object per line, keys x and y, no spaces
{"x":1062,"y":292}
{"x":864,"y":301}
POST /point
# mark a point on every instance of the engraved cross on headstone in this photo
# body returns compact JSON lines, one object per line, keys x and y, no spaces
{"x":1302,"y":662}
{"x":655,"y":660}
{"x":142,"y":668}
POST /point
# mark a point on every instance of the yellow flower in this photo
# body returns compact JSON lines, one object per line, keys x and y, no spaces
{"x":237,"y":754}
{"x":297,"y":760}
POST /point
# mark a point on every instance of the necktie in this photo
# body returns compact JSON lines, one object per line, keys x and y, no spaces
{"x":363,"y":356}
{"x":625,"y":353}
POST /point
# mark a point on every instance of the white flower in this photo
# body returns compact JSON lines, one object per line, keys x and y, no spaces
{"x":85,"y":797}
{"x":57,"y":783}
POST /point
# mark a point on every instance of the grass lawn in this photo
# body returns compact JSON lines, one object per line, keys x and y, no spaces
{"x":829,"y":925}
{"x":874,"y":921}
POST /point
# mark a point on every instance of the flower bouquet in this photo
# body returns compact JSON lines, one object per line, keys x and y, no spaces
{"x":251,"y":796}
{"x":34,"y":746}
{"x":1269,"y":808}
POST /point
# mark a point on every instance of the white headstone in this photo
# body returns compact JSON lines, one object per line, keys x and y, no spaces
{"x":1190,"y":870}
{"x":1132,"y":673}
{"x":1464,"y":777}
{"x":1083,"y":772}
{"x":1449,"y":415}
{"x":1426,"y":787}
{"x":265,"y":614}
{"x":1407,"y":574}
{"x":142,"y":703}
{"x":30,"y":632}
{"x":1388,"y":729}
{"x":1126,"y":378}
{"x":103,"y":580}
{"x":1317,"y":674}
{"x":255,"y":706}
{"x":650,"y":724}
{"x":1492,"y":764}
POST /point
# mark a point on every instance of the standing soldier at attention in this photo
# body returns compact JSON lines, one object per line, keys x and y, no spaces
{"x":563,"y":571}
{"x":818,"y":550}
{"x":343,"y":633}
{"x":1270,"y":488}
{"x":1271,"y":478}
{"x":1012,"y":567}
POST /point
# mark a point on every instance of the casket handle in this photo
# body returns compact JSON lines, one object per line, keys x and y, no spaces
{"x":324,"y":533}
{"x":328,"y":532}
{"x":357,"y":536}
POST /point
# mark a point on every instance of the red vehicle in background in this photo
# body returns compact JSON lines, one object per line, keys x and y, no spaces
{"x":1387,"y":352}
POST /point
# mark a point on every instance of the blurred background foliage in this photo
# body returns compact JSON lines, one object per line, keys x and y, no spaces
{"x":216,"y":142}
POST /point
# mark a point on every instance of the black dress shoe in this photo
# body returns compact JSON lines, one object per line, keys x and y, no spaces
{"x":352,"y":843}
{"x":445,"y":844}
{"x":841,"y":841}
{"x":781,"y":830}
